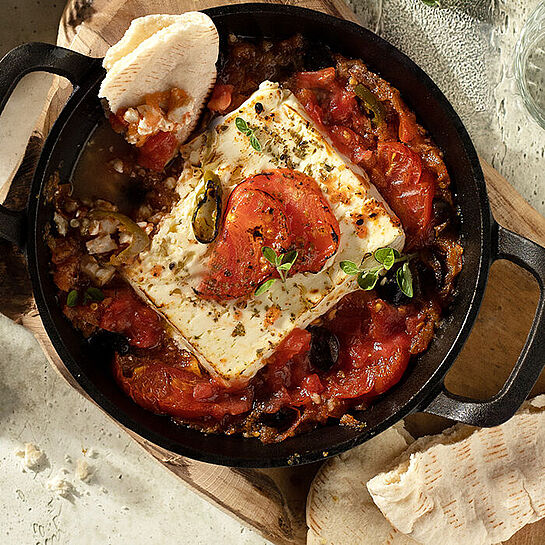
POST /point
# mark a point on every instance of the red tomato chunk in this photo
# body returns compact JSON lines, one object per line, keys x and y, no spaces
{"x":125,"y":313}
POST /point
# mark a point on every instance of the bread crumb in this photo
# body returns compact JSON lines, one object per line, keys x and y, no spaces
{"x":32,"y":456}
{"x":83,"y":470}
{"x":60,"y":486}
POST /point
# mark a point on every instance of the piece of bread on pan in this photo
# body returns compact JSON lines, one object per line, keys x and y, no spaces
{"x":139,"y":30}
{"x":340,"y":510}
{"x":468,"y":485}
{"x":159,"y":53}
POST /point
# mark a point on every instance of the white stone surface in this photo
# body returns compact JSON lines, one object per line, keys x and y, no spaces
{"x":467,"y":48}
{"x":127,"y":498}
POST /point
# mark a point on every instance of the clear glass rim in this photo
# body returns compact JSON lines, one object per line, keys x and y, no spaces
{"x":532,"y":32}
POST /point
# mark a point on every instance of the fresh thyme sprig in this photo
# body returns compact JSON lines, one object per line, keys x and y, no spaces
{"x":282,"y":262}
{"x":377,"y":264}
{"x":242,"y":126}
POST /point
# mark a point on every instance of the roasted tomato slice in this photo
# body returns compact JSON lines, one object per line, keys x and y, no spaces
{"x":348,"y":142}
{"x":408,"y":188}
{"x":253,"y":219}
{"x":339,"y":104}
{"x":314,"y":228}
{"x":320,"y":79}
{"x":174,"y":390}
{"x":157,"y":150}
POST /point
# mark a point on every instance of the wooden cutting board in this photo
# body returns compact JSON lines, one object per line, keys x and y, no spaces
{"x":273,"y":501}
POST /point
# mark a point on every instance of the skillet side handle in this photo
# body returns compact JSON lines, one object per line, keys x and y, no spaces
{"x":36,"y":57}
{"x":501,"y":407}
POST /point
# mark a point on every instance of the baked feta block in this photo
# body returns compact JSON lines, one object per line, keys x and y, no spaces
{"x":232,"y":339}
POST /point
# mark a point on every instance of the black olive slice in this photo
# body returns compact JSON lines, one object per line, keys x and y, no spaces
{"x":324,"y":348}
{"x":107,"y":341}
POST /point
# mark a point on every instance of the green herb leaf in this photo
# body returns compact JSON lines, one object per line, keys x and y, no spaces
{"x":93,"y":294}
{"x":285,"y":266}
{"x":367,"y":280}
{"x":72,"y":298}
{"x":282,"y":263}
{"x":378,"y":264}
{"x":290,"y":257}
{"x":254,"y":142}
{"x":432,"y":3}
{"x":270,"y":255}
{"x":404,"y":279}
{"x":349,"y":267}
{"x":262,"y":288}
{"x":242,"y":126}
{"x":386,"y":256}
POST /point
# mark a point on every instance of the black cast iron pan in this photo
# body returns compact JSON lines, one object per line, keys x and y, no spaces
{"x":422,"y":386}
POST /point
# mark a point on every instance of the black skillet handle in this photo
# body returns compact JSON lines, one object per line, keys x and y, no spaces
{"x":501,"y":407}
{"x":35,"y":57}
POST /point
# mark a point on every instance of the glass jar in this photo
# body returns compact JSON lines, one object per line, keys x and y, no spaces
{"x":530,"y":64}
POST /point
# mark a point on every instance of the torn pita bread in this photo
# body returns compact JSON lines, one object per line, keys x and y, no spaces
{"x":340,"y":510}
{"x":469,"y":485}
{"x":159,"y":53}
{"x":139,"y":30}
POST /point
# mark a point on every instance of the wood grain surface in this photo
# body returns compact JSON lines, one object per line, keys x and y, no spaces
{"x":273,"y":501}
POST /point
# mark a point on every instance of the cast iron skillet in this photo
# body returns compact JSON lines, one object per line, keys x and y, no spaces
{"x":422,"y":386}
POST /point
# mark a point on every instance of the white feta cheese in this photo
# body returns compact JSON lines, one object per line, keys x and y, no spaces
{"x":289,"y":139}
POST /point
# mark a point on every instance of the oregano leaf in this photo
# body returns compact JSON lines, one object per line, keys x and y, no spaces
{"x":269,"y":254}
{"x":93,"y":294}
{"x":262,"y":288}
{"x":404,"y":279}
{"x":241,"y":125}
{"x":386,"y":257}
{"x":349,"y":267}
{"x":72,"y":298}
{"x":254,"y":142}
{"x":367,"y":280}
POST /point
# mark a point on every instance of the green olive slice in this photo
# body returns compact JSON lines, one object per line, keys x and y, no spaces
{"x":207,"y":215}
{"x":370,"y":103}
